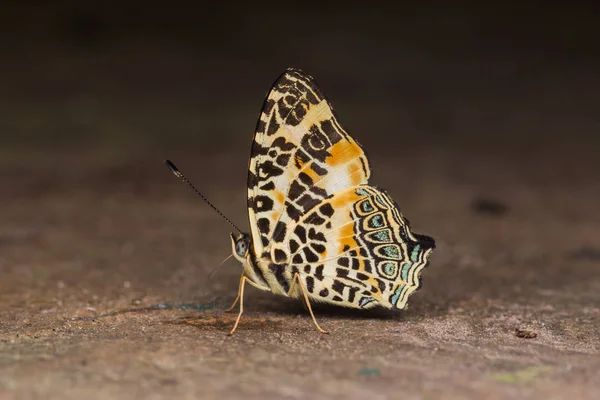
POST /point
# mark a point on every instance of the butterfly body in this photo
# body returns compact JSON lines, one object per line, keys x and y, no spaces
{"x":318,"y":229}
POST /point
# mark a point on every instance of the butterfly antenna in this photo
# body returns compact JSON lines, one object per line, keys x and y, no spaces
{"x":218,"y":266}
{"x":185,"y":180}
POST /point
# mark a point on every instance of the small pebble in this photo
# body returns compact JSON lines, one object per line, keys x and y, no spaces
{"x":525,"y":334}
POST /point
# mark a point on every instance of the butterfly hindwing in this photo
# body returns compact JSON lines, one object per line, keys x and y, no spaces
{"x":355,"y":249}
{"x":300,"y":156}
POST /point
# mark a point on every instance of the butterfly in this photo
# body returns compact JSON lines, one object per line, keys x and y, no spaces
{"x":318,"y":231}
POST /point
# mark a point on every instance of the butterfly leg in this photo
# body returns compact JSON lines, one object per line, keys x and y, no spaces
{"x":241,"y":298}
{"x":238,"y":295}
{"x":239,"y":289}
{"x":297,"y":281}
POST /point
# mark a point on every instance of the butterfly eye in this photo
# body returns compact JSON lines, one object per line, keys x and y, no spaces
{"x":241,"y":248}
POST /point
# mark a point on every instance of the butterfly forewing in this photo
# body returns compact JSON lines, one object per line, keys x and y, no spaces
{"x":355,"y":249}
{"x":300,"y":156}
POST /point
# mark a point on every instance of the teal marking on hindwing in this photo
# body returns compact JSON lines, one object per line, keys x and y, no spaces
{"x":405,"y":269}
{"x":414,"y":256}
{"x":362,"y":192}
{"x":396,"y":296}
{"x":378,"y":199}
{"x":390,"y":251}
{"x":375,"y":221}
{"x":389,"y":268}
{"x":383,"y":236}
{"x":366,"y":206}
{"x":364,"y":301}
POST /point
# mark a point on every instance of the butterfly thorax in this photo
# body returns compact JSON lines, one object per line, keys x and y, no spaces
{"x":243,"y":251}
{"x":264,"y":270}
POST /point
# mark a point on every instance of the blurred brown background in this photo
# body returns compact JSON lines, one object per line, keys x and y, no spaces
{"x":480,"y":119}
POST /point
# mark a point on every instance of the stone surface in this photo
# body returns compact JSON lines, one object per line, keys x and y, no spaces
{"x":104,"y":256}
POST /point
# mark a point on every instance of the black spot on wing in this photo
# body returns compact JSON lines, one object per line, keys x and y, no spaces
{"x":330,"y":131}
{"x":305,"y":179}
{"x":341,"y":272}
{"x":283,"y":144}
{"x":319,"y":272}
{"x":318,"y":169}
{"x":297,"y":114}
{"x":311,"y":97}
{"x":352,"y":293}
{"x":260,"y":126}
{"x":307,"y":202}
{"x":258,"y":150}
{"x":314,"y":235}
{"x":338,"y":286}
{"x":295,"y":191}
{"x":268,"y":106}
{"x":283,"y":108}
{"x":362,"y":277}
{"x":252,"y":180}
{"x":293,"y":246}
{"x":261,"y":203}
{"x":319,"y":248}
{"x":310,"y":284}
{"x":280,"y":256}
{"x":268,"y":186}
{"x":367,"y":266}
{"x":314,"y":219}
{"x":322,"y":193}
{"x":300,"y":231}
{"x":279,"y":232}
{"x":310,"y":256}
{"x":283,"y":159}
{"x":272,"y":127}
{"x":268,"y":169}
{"x":301,"y":158}
{"x":290,"y":100}
{"x":292,"y":211}
{"x":263,"y":225}
{"x":326,"y":209}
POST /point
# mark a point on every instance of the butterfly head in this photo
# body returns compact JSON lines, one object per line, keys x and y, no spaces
{"x":241,"y":246}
